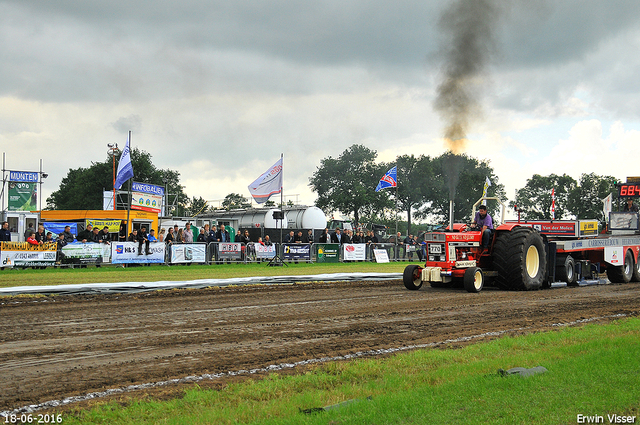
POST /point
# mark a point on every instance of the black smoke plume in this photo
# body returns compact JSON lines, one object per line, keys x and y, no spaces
{"x":466,"y":27}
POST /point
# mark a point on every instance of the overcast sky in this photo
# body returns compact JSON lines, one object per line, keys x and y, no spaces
{"x":217,"y":90}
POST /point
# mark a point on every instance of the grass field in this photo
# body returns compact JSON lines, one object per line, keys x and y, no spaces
{"x":108,"y":274}
{"x":593,"y":371}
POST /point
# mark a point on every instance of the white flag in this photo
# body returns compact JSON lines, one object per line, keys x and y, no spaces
{"x":607,"y":207}
{"x":269,"y":183}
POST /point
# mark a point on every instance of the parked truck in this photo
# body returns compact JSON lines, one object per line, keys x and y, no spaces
{"x":530,"y":255}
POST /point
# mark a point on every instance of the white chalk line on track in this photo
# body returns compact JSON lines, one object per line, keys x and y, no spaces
{"x":277,"y":367}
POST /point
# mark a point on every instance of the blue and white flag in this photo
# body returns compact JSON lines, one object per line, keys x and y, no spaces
{"x":125,"y":169}
{"x":390,"y":179}
{"x":269,"y":183}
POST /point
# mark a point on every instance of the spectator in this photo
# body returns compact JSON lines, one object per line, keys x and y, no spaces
{"x":133,"y":236}
{"x":161,"y":236}
{"x":346,"y":236}
{"x":31,"y":239}
{"x":356,"y":238}
{"x":297,"y":238}
{"x":324,"y":237}
{"x":152,"y":236}
{"x":410,"y":244}
{"x":68,"y":237}
{"x":143,"y":238}
{"x":223,"y":234}
{"x":421,"y":249}
{"x":398,"y":244}
{"x":61,"y":242}
{"x":289,"y":237}
{"x":249,"y":248}
{"x":49,"y":237}
{"x":169,"y":238}
{"x":202,"y":236}
{"x":5,"y":234}
{"x":309,"y":238}
{"x":267,"y":241}
{"x":95,"y":235}
{"x":238,"y":236}
{"x":122,"y":233}
{"x":27,"y":232}
{"x":86,"y":235}
{"x":105,"y":236}
{"x":179,"y":237}
{"x":336,"y":237}
{"x":40,"y":234}
{"x":187,"y":234}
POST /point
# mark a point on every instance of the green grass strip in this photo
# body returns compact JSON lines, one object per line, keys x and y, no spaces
{"x":593,"y":370}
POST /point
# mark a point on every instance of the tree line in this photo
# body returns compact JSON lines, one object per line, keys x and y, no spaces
{"x":346,"y":184}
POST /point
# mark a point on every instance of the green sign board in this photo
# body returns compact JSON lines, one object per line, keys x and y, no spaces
{"x":328,"y":252}
{"x":23,"y":196}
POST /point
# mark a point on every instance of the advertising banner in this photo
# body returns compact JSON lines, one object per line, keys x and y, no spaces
{"x":146,"y":197}
{"x":328,"y":252}
{"x":381,"y":255}
{"x":230,"y":251}
{"x":113,"y":225}
{"x":58,"y":227}
{"x":23,"y":176}
{"x":263,"y":251}
{"x":189,"y":253}
{"x":623,"y":221}
{"x":297,"y":252}
{"x":23,"y":254}
{"x":354,"y":252}
{"x":127,"y":253}
{"x":86,"y":253}
{"x":552,"y":228}
{"x":588,"y":228}
{"x":23,"y":196}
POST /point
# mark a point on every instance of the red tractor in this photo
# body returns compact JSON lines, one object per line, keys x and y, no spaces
{"x":515,"y":259}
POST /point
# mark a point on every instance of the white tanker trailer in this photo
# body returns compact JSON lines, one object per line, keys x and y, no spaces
{"x":261,"y":221}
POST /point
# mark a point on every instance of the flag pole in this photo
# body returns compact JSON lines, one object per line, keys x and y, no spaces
{"x":397,"y":241}
{"x":282,"y":196}
{"x":397,"y":199}
{"x":129,"y":197}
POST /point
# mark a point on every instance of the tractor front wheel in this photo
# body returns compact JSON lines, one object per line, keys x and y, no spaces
{"x":473,"y":279}
{"x":566,"y":270}
{"x":412,"y":277}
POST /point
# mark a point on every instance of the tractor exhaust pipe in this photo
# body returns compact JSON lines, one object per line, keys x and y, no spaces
{"x":451,"y":215}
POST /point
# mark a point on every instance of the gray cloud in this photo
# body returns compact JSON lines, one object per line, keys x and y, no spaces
{"x":247,"y":80}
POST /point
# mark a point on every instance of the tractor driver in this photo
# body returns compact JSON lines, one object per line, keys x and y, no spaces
{"x":484,"y":222}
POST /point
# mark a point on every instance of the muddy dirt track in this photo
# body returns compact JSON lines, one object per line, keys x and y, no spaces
{"x":56,"y":347}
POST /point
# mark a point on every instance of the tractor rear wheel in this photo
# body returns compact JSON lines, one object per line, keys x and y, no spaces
{"x":412,"y":277}
{"x":473,"y":279}
{"x":520,"y":260}
{"x":623,"y":273}
{"x":566,"y":270}
{"x":636,"y":271}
